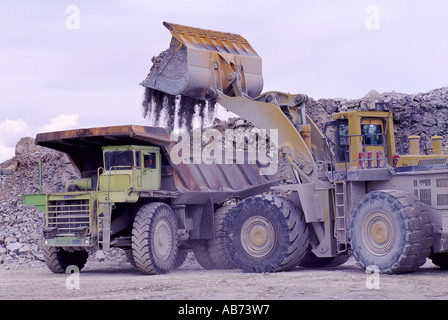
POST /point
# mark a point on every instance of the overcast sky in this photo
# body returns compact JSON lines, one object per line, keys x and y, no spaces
{"x":78,"y":63}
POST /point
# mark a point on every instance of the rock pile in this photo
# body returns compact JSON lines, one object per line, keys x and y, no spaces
{"x":21,"y":226}
{"x":424,"y":114}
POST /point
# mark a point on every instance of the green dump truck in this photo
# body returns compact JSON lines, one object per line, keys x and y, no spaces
{"x":132,"y":196}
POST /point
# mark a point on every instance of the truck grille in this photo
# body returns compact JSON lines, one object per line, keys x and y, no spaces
{"x":70,"y":218}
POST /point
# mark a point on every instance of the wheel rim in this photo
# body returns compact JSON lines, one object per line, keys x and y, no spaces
{"x":257,"y":236}
{"x":163,"y":239}
{"x":379,"y":233}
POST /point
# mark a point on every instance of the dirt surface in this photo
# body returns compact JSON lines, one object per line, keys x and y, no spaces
{"x":120,"y":281}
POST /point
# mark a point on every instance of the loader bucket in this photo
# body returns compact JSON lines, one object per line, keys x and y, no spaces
{"x":199,"y":62}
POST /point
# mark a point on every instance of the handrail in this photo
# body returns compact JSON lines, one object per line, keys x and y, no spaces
{"x":349,"y":164}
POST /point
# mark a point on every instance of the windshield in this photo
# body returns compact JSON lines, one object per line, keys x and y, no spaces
{"x":120,"y":160}
{"x":372,"y":134}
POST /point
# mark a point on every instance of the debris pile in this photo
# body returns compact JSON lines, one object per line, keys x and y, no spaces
{"x":423,"y":114}
{"x":21,"y":226}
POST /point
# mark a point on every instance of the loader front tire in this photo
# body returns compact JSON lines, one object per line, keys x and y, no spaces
{"x":154,"y":238}
{"x":266,"y":234}
{"x":392,"y":231}
{"x":58,"y":260}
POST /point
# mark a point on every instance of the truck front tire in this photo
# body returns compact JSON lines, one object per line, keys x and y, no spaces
{"x":58,"y":260}
{"x":154,"y":238}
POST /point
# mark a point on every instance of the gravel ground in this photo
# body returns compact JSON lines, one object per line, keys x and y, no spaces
{"x":120,"y":281}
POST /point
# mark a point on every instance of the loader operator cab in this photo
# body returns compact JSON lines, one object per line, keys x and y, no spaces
{"x":358,"y":140}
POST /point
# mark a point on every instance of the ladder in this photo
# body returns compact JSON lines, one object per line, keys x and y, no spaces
{"x":104,"y":228}
{"x":340,"y":210}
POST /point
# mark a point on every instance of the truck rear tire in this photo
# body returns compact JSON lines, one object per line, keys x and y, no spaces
{"x":154,"y":238}
{"x":391,"y":230}
{"x":219,"y":252}
{"x":182,"y":255}
{"x":266,"y":234}
{"x":213,"y":253}
{"x":58,"y":259}
{"x":202,"y":254}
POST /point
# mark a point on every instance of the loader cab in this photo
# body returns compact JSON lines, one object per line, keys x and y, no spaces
{"x":359,"y":140}
{"x":131,"y":167}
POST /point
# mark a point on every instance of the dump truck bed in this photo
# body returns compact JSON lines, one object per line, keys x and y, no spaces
{"x":195,"y":183}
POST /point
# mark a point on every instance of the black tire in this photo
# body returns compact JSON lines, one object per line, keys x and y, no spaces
{"x":58,"y":259}
{"x":130,"y":257}
{"x":202,"y":254}
{"x":154,"y":238}
{"x":440,"y":260}
{"x":266,"y":234}
{"x":312,"y":261}
{"x":391,"y":230}
{"x":180,"y":258}
{"x":219,"y":252}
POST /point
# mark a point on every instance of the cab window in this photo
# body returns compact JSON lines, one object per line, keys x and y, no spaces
{"x":372,"y":134}
{"x":119,"y":160}
{"x":343,"y":141}
{"x":137,"y":159}
{"x":149,"y":161}
{"x":343,"y":134}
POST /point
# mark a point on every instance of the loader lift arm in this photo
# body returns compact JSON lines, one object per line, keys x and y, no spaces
{"x":205,"y":64}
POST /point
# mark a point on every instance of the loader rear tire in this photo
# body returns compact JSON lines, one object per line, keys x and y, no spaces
{"x":154,"y":238}
{"x":391,"y":230}
{"x":266,"y":234}
{"x":58,"y":260}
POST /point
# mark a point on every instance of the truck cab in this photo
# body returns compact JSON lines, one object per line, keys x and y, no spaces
{"x":131,"y":167}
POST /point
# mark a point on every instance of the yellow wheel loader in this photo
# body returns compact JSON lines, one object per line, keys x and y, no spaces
{"x":353,"y":194}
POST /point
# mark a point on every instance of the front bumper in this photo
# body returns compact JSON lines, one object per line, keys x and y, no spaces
{"x":68,"y":242}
